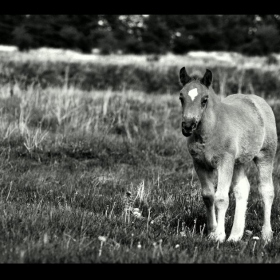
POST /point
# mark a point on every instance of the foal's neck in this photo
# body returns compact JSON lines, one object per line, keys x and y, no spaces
{"x":209,"y":118}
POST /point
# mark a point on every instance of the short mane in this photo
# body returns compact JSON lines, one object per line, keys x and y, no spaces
{"x":196,"y":76}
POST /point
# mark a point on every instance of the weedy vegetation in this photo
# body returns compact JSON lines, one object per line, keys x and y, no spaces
{"x":104,"y":175}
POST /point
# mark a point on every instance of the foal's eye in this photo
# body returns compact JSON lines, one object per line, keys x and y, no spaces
{"x":204,"y":101}
{"x":181,"y":99}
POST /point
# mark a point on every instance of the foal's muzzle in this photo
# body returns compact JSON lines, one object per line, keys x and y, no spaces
{"x":188,"y":127}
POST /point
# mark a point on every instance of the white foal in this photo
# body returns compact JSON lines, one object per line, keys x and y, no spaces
{"x":223,"y":137}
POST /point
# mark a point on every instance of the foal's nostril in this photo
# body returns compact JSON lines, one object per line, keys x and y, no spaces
{"x":189,"y":125}
{"x":186,"y":125}
{"x":193,"y":126}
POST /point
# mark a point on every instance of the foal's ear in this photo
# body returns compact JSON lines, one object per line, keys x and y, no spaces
{"x":207,"y":78}
{"x":184,"y":77}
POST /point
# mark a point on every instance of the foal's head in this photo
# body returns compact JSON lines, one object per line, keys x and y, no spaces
{"x":194,"y":98}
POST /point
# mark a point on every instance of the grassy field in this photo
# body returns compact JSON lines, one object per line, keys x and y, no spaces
{"x":105,"y":177}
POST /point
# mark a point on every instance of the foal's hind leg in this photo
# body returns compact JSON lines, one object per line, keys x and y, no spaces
{"x":241,"y":188}
{"x":266,"y":189}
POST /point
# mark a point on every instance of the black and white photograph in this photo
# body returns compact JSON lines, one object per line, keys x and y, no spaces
{"x":139,"y":138}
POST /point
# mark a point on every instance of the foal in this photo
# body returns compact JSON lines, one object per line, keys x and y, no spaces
{"x":223,"y":137}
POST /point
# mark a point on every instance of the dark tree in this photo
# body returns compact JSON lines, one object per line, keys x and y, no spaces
{"x":153,"y":34}
{"x":156,"y":34}
{"x":8,"y":23}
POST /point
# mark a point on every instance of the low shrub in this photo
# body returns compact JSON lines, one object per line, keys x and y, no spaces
{"x":150,"y":79}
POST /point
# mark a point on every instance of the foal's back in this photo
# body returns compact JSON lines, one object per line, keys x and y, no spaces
{"x":251,"y":125}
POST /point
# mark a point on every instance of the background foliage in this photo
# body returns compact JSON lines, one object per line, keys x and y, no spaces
{"x":138,"y":34}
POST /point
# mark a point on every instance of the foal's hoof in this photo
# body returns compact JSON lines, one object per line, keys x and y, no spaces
{"x":217,"y":236}
{"x":234,"y":239}
{"x":267,"y":235}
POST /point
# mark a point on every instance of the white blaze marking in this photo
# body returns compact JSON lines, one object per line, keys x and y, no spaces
{"x":193,"y":93}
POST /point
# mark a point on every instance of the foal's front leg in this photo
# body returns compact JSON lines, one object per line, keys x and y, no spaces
{"x":225,"y":172}
{"x":241,"y":188}
{"x":207,"y":181}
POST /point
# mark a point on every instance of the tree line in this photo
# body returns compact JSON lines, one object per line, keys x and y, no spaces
{"x":144,"y":34}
